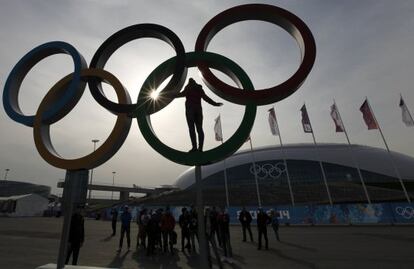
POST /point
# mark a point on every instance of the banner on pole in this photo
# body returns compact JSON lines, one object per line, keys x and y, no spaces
{"x":274,"y":128}
{"x":368,"y":116}
{"x":307,"y":127}
{"x":339,"y":126}
{"x":406,"y":116}
{"x":217,"y":129}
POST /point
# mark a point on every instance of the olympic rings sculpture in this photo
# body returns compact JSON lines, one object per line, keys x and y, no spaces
{"x":66,"y":93}
{"x":268,"y":170}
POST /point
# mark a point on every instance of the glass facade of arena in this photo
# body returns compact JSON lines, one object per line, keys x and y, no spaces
{"x":307,"y":183}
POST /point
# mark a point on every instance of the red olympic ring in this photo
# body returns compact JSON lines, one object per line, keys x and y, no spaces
{"x":276,"y":15}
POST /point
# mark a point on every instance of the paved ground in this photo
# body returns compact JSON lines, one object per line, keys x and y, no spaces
{"x":30,"y":242}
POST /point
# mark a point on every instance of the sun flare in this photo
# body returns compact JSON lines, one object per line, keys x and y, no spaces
{"x":154,"y":95}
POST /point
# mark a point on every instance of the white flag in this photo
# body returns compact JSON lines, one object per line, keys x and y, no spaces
{"x":217,"y":129}
{"x":339,"y":126}
{"x":274,"y":128}
{"x":406,"y":116}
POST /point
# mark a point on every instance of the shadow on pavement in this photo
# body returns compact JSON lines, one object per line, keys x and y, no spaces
{"x":159,"y":260}
{"x":118,"y":260}
{"x":108,"y":238}
{"x":292,"y":259}
{"x":298,"y":246}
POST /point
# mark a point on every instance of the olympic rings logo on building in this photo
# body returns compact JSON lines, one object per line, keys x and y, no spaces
{"x":66,"y":93}
{"x":406,"y":212}
{"x":268,"y":170}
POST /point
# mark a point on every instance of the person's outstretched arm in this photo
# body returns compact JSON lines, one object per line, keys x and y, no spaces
{"x":210,"y":101}
{"x":181,"y":94}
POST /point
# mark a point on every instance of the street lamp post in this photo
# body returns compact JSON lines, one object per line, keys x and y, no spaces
{"x":94,"y":141}
{"x":113,"y":183}
{"x":6,"y":173}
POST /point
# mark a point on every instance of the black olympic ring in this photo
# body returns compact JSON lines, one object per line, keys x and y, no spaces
{"x":126,"y":35}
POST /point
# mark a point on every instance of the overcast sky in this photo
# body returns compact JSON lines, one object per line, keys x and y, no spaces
{"x":364,"y":48}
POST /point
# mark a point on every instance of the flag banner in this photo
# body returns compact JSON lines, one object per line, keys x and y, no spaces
{"x":406,"y":116}
{"x":307,"y":127}
{"x":339,"y":126}
{"x":368,"y":116}
{"x":274,"y":128}
{"x":217,"y":129}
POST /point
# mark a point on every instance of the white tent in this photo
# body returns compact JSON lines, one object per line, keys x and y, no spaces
{"x":27,"y":205}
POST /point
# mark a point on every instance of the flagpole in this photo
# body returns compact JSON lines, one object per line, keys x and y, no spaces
{"x":259,"y":200}
{"x":225,"y":169}
{"x":320,"y":164}
{"x":353,"y":156}
{"x":389,"y":153}
{"x":284,"y":160}
{"x":225,"y":182}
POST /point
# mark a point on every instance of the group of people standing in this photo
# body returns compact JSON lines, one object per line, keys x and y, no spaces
{"x":217,"y":229}
{"x":263,"y":219}
{"x":155,"y":229}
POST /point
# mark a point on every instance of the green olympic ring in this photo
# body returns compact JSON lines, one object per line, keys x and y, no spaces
{"x":221,"y":152}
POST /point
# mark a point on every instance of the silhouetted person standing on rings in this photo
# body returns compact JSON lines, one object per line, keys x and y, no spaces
{"x":193,"y":93}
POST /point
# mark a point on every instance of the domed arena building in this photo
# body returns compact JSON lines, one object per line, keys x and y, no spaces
{"x":266,"y":165}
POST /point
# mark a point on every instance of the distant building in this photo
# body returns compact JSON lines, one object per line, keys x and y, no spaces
{"x":27,"y":205}
{"x":12,"y":188}
{"x":305,"y":175}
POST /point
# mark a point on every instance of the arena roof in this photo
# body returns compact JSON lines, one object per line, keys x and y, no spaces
{"x":368,"y":158}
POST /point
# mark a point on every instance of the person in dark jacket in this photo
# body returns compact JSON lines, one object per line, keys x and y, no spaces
{"x":193,"y":93}
{"x":274,"y":215}
{"x":167,"y":230}
{"x":157,"y":228}
{"x":76,"y":236}
{"x":152,"y":230}
{"x":125,"y":227}
{"x":214,"y":225}
{"x":184,"y":222}
{"x":145,"y":217}
{"x":193,"y":227}
{"x":114,"y":214}
{"x":262,"y":221}
{"x":245,"y":219}
{"x":223,"y":220}
{"x":210,"y":239}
